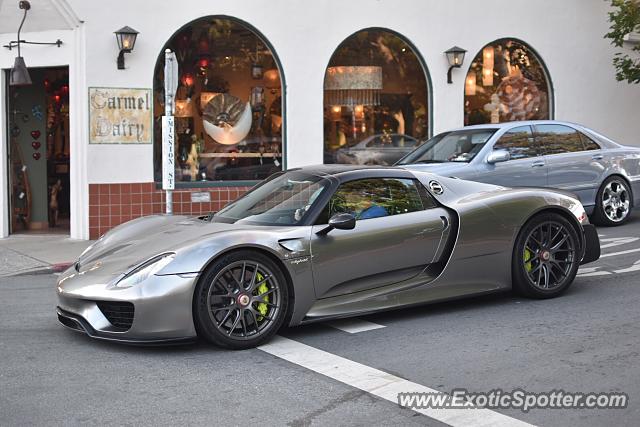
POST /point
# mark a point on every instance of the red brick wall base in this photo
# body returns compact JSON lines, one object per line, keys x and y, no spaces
{"x":113,"y":204}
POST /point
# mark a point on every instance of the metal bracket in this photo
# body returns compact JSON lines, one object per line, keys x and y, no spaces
{"x":15,"y":43}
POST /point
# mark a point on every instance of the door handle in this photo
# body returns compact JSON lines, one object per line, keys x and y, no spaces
{"x":537,"y":164}
{"x":597,"y":157}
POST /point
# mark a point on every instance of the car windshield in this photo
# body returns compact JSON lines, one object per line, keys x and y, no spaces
{"x":456,"y":146}
{"x":283,"y":199}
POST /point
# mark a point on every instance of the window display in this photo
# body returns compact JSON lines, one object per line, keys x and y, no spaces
{"x":376,"y":100}
{"x":228,"y":104}
{"x":506,"y":82}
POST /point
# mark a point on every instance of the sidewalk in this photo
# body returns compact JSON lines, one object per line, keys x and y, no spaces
{"x":33,"y":254}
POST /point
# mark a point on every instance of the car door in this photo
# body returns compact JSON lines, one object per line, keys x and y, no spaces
{"x":526,"y":166}
{"x":397,"y":234}
{"x":575,"y":162}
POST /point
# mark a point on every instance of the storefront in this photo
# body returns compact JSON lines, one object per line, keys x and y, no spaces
{"x":267,"y":87}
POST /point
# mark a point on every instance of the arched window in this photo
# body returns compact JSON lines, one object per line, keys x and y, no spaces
{"x":229,"y":122}
{"x":506,"y":82}
{"x":376,"y":99}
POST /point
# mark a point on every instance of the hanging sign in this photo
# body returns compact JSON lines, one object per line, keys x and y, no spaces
{"x":120,"y":115}
{"x":168,"y":155}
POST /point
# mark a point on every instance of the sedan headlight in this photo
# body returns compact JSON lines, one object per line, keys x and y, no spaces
{"x":143,"y":271}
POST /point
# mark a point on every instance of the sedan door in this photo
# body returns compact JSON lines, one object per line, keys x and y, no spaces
{"x":397,"y":234}
{"x":576,"y":163}
{"x":525,"y":168}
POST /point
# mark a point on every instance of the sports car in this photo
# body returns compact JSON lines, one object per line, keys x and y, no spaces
{"x":322,"y":242}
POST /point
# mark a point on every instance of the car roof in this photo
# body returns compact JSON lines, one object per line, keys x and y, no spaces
{"x":504,"y":125}
{"x":347,"y":172}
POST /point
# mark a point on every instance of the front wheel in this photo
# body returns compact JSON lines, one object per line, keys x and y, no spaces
{"x":613,"y":202}
{"x":546,"y":256}
{"x":241,"y":300}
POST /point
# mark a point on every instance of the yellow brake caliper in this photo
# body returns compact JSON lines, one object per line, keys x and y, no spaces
{"x":261,"y":306}
{"x":527,"y":260}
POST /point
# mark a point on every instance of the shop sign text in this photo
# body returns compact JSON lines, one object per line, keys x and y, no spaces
{"x":120,"y":115}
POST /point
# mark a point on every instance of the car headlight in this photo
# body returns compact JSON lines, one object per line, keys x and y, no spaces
{"x":143,"y":271}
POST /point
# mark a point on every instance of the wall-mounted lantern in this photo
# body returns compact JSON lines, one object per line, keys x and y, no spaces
{"x":455,"y":57}
{"x":126,"y":37}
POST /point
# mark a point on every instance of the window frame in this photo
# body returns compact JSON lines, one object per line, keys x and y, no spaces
{"x":426,"y":199}
{"x":544,"y":148}
{"x":536,"y":145}
{"x":585,"y":140}
{"x":551,"y":99}
{"x":412,"y":47}
{"x":157,"y":148}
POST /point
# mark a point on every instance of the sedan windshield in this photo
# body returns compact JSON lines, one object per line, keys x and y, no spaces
{"x":456,"y":146}
{"x":283,"y":199}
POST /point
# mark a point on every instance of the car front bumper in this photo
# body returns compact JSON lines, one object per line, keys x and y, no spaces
{"x":591,"y":244}
{"x":162,"y":308}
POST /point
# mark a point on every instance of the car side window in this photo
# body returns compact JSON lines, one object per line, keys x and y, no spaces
{"x":588,"y":143}
{"x":380,"y":141}
{"x":403,"y":141}
{"x":556,"y":139}
{"x":374,"y":198}
{"x":519,"y":142}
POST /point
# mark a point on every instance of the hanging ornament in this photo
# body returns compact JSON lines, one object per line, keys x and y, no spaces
{"x":36,"y":145}
{"x":187,"y":80}
{"x":36,"y":155}
{"x":35,"y":134}
{"x":37,"y":112}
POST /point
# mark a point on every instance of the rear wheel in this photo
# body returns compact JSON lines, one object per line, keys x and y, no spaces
{"x":545,"y":257}
{"x":241,"y":300}
{"x":613,"y":202}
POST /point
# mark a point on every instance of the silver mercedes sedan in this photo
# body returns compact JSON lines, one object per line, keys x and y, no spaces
{"x":543,"y":153}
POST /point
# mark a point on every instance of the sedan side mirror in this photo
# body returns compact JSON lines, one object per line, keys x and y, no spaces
{"x":498,"y":156}
{"x":340,"y":221}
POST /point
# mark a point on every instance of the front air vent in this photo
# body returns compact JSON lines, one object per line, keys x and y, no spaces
{"x":119,"y":314}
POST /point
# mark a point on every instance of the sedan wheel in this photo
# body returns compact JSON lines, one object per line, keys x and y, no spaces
{"x":613,"y":204}
{"x":546,"y":256}
{"x":241,"y":300}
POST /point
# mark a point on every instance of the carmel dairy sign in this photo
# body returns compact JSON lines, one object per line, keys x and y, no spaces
{"x":120,"y":115}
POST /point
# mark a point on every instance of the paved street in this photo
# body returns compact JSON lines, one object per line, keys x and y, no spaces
{"x":585,"y":341}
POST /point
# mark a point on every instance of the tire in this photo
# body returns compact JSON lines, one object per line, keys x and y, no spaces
{"x":614,"y":202}
{"x":546,"y":256}
{"x":240,"y":314}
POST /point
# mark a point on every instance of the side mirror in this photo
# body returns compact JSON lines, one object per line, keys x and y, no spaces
{"x":340,"y":221}
{"x":498,"y":156}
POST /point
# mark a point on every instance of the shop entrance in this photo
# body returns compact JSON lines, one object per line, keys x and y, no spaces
{"x":38,"y":131}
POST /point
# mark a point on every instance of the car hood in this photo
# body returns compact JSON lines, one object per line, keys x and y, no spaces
{"x":448,"y":169}
{"x":136,"y":241}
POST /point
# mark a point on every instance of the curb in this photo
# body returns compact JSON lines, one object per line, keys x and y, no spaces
{"x":49,"y":269}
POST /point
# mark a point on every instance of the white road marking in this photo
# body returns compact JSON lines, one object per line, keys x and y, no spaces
{"x":620,"y":253}
{"x":354,"y":326}
{"x":634,"y":267}
{"x":617,"y":241}
{"x":379,"y":383}
{"x":595,"y":273}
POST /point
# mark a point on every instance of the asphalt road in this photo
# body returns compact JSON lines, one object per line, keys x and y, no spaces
{"x":585,"y":341}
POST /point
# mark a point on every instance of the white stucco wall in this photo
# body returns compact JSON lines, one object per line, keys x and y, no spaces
{"x":567,"y":34}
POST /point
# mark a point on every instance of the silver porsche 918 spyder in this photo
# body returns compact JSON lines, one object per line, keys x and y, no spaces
{"x":322,"y":242}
